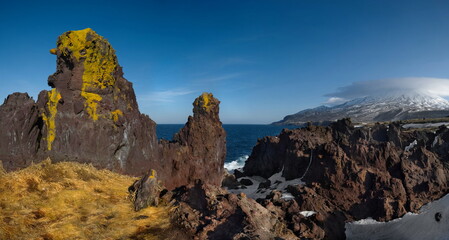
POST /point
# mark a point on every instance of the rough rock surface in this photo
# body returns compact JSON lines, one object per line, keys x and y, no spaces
{"x":198,"y":150}
{"x":209,"y":212}
{"x":355,"y":173}
{"x":91,"y":115}
{"x":145,"y":191}
{"x":20,"y":130}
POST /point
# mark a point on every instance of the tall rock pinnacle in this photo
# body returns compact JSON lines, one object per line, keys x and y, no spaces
{"x":91,"y":115}
{"x":201,"y":141}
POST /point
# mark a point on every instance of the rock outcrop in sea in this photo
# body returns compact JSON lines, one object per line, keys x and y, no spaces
{"x":91,"y":115}
{"x":348,"y":173}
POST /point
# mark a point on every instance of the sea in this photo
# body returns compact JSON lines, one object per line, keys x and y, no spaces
{"x":240,"y":140}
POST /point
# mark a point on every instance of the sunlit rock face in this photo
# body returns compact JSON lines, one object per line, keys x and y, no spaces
{"x":91,"y":115}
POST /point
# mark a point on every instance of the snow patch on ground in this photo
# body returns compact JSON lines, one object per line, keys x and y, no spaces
{"x":411,"y":146}
{"x":424,"y":125}
{"x":307,"y":213}
{"x":411,"y":226}
{"x":435,"y":141}
{"x":277,"y":183}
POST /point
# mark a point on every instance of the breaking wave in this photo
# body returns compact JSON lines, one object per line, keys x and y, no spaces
{"x":236,"y":164}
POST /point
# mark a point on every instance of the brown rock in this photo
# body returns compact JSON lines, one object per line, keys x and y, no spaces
{"x":198,"y":151}
{"x":352,"y":174}
{"x":20,"y":131}
{"x":208,"y":212}
{"x":145,"y":191}
{"x":91,"y":115}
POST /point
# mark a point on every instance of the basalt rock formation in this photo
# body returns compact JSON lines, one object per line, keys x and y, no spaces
{"x":351,"y":173}
{"x":209,"y":212}
{"x":198,"y":150}
{"x":145,"y":191}
{"x":91,"y":115}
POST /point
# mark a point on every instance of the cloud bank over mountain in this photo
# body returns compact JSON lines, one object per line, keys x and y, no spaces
{"x":429,"y":86}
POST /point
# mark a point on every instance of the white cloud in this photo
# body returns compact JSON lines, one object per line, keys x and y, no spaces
{"x":335,"y":101}
{"x":164,"y":96}
{"x":432,"y":86}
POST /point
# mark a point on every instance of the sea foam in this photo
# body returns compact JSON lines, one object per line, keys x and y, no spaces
{"x":236,"y":164}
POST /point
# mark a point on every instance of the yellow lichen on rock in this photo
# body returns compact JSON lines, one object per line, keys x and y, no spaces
{"x":153,"y":173}
{"x":91,"y":104}
{"x":203,"y":101}
{"x":99,"y":62}
{"x":116,"y":114}
{"x":50,"y":120}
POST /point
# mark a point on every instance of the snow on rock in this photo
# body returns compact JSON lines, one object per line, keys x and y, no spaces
{"x":307,"y":213}
{"x":432,"y":222}
{"x":384,"y":107}
{"x":277,"y":183}
{"x":411,"y":146}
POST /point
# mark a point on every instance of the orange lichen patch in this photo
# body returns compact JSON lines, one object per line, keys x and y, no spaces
{"x":70,"y":200}
{"x":50,"y":120}
{"x":99,"y":61}
{"x":203,"y":101}
{"x":116,"y":114}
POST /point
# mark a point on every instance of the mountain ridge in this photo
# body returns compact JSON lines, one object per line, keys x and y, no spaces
{"x":387,"y":107}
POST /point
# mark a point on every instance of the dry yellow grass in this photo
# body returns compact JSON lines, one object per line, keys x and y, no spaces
{"x":74,"y":201}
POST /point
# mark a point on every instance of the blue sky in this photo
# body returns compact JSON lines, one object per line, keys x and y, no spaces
{"x":262,"y":59}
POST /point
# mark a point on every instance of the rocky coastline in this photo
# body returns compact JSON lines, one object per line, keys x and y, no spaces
{"x":306,"y":183}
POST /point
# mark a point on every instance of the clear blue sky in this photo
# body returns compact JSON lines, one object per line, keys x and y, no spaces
{"x":262,"y":59}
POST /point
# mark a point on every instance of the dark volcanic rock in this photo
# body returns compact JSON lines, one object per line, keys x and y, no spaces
{"x":198,"y":150}
{"x":246,"y":182}
{"x":91,"y":115}
{"x":20,"y":130}
{"x":145,"y":191}
{"x":208,"y":212}
{"x":230,"y":181}
{"x":355,"y":173}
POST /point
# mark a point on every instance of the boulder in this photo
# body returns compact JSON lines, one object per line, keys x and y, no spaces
{"x":246,"y":182}
{"x":145,"y":191}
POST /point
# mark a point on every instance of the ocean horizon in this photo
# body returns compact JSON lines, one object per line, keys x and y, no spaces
{"x":240,"y":139}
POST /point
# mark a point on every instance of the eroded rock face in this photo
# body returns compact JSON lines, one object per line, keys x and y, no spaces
{"x":145,"y":191}
{"x":20,"y":131}
{"x":198,"y":151}
{"x":209,"y":212}
{"x":355,"y":173}
{"x":91,"y":115}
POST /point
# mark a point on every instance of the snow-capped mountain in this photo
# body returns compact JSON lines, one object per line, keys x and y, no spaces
{"x":387,"y":107}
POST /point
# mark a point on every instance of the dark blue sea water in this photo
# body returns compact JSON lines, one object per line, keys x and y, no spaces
{"x":241,"y":138}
